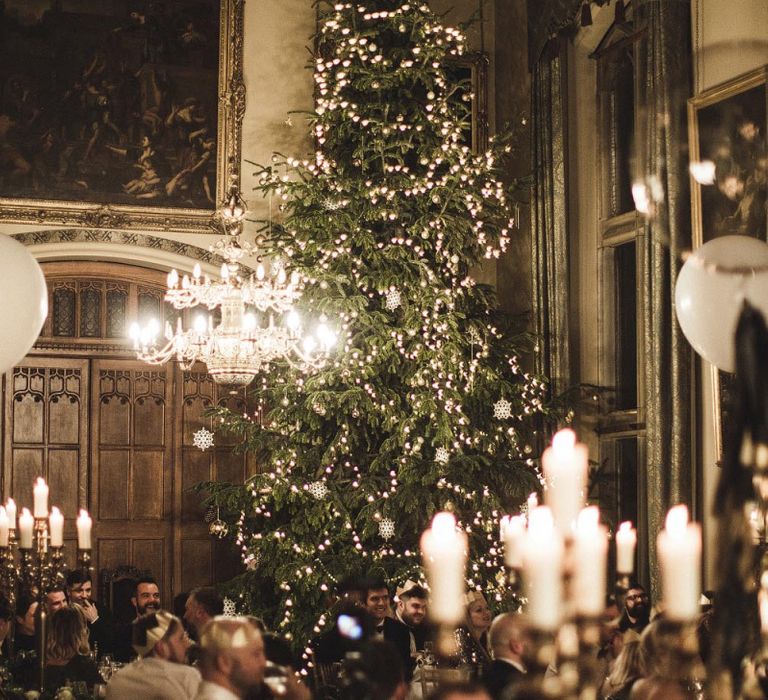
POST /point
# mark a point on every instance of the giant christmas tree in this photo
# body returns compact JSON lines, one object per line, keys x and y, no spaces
{"x":424,"y":404}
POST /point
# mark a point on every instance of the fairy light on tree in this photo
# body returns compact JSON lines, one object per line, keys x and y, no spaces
{"x":359,"y":456}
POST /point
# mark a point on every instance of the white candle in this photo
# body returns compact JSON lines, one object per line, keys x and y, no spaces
{"x":565,"y":470}
{"x":26,"y":525}
{"x":626,"y":541}
{"x":543,"y":570}
{"x":590,"y":555}
{"x":84,"y":524}
{"x":56,"y":524}
{"x":10,"y":508}
{"x":40,"y":492}
{"x":679,"y":549}
{"x":4,"y":527}
{"x":444,"y":551}
{"x":514,"y":532}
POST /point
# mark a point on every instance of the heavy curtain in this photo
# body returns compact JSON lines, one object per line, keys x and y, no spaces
{"x":550,"y":213}
{"x":664,"y":82}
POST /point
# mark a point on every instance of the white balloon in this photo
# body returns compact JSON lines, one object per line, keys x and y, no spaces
{"x":23,"y":302}
{"x":708,"y":302}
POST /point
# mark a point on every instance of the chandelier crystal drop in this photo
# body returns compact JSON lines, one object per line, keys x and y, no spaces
{"x":251,"y":320}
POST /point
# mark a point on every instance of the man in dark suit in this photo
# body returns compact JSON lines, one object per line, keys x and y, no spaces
{"x":377,"y":605}
{"x":100,"y":627}
{"x":508,"y":644}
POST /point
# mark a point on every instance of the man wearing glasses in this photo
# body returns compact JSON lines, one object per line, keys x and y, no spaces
{"x":637,"y":610}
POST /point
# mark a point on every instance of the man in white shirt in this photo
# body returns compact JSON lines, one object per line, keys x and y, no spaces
{"x":160,"y":672}
{"x":232,"y":659}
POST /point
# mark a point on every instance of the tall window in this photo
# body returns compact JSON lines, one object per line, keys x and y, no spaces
{"x":621,"y":423}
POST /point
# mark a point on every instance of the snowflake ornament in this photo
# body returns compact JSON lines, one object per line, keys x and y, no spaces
{"x":230,"y":609}
{"x":386,"y":528}
{"x":318,"y":490}
{"x":202,"y":439}
{"x":331,"y":204}
{"x":393,"y":300}
{"x":502,"y":409}
{"x":442,"y":455}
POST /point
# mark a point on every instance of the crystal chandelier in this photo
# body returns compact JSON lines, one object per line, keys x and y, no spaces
{"x":256,"y":325}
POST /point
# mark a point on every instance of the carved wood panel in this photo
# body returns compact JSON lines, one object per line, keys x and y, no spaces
{"x":46,"y":434}
{"x":202,"y":558}
{"x":131,"y":468}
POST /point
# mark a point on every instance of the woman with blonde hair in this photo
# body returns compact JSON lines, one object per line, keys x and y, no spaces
{"x":472,"y":636}
{"x":67,"y":653}
{"x":627,"y":669}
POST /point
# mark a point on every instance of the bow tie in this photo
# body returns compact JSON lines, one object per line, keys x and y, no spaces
{"x":380,"y":628}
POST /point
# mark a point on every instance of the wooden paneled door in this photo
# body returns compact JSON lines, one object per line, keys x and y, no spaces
{"x":46,"y":434}
{"x":131,"y":424}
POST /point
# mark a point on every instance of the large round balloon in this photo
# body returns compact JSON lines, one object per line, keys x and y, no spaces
{"x":23,"y":302}
{"x":710,"y":290}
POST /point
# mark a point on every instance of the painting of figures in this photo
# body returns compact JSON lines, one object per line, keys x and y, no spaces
{"x":110,"y":102}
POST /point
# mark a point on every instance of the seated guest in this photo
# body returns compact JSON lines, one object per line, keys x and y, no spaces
{"x":55,"y":599}
{"x":80,"y":592}
{"x":394,"y":631}
{"x":412,"y":611}
{"x":637,"y":610}
{"x":145,"y":599}
{"x":67,"y":650}
{"x":231,"y":657}
{"x":160,"y":672}
{"x":351,"y":627}
{"x":6,"y":615}
{"x":626,"y":670}
{"x":203,"y":604}
{"x":376,"y":673}
{"x":662,"y":673}
{"x":473,"y":634}
{"x":24,"y":634}
{"x":507,"y":639}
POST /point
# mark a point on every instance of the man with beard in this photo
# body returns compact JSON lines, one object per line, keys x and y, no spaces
{"x":160,"y":672}
{"x":145,"y":599}
{"x":412,"y":611}
{"x":637,"y":610}
{"x":232,"y":660}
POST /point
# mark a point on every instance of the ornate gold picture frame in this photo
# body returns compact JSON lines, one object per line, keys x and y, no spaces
{"x":119,"y":115}
{"x":727,"y":129}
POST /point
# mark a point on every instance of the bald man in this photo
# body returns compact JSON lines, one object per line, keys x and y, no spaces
{"x":232,"y":659}
{"x":507,"y":642}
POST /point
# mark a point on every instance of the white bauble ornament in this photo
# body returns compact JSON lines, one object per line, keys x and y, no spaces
{"x":708,"y":298}
{"x":24,"y":301}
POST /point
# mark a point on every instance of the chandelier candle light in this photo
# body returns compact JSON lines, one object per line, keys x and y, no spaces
{"x":258,"y":323}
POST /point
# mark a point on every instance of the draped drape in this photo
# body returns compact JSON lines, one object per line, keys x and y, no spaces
{"x":664,"y":78}
{"x":549,"y":212}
